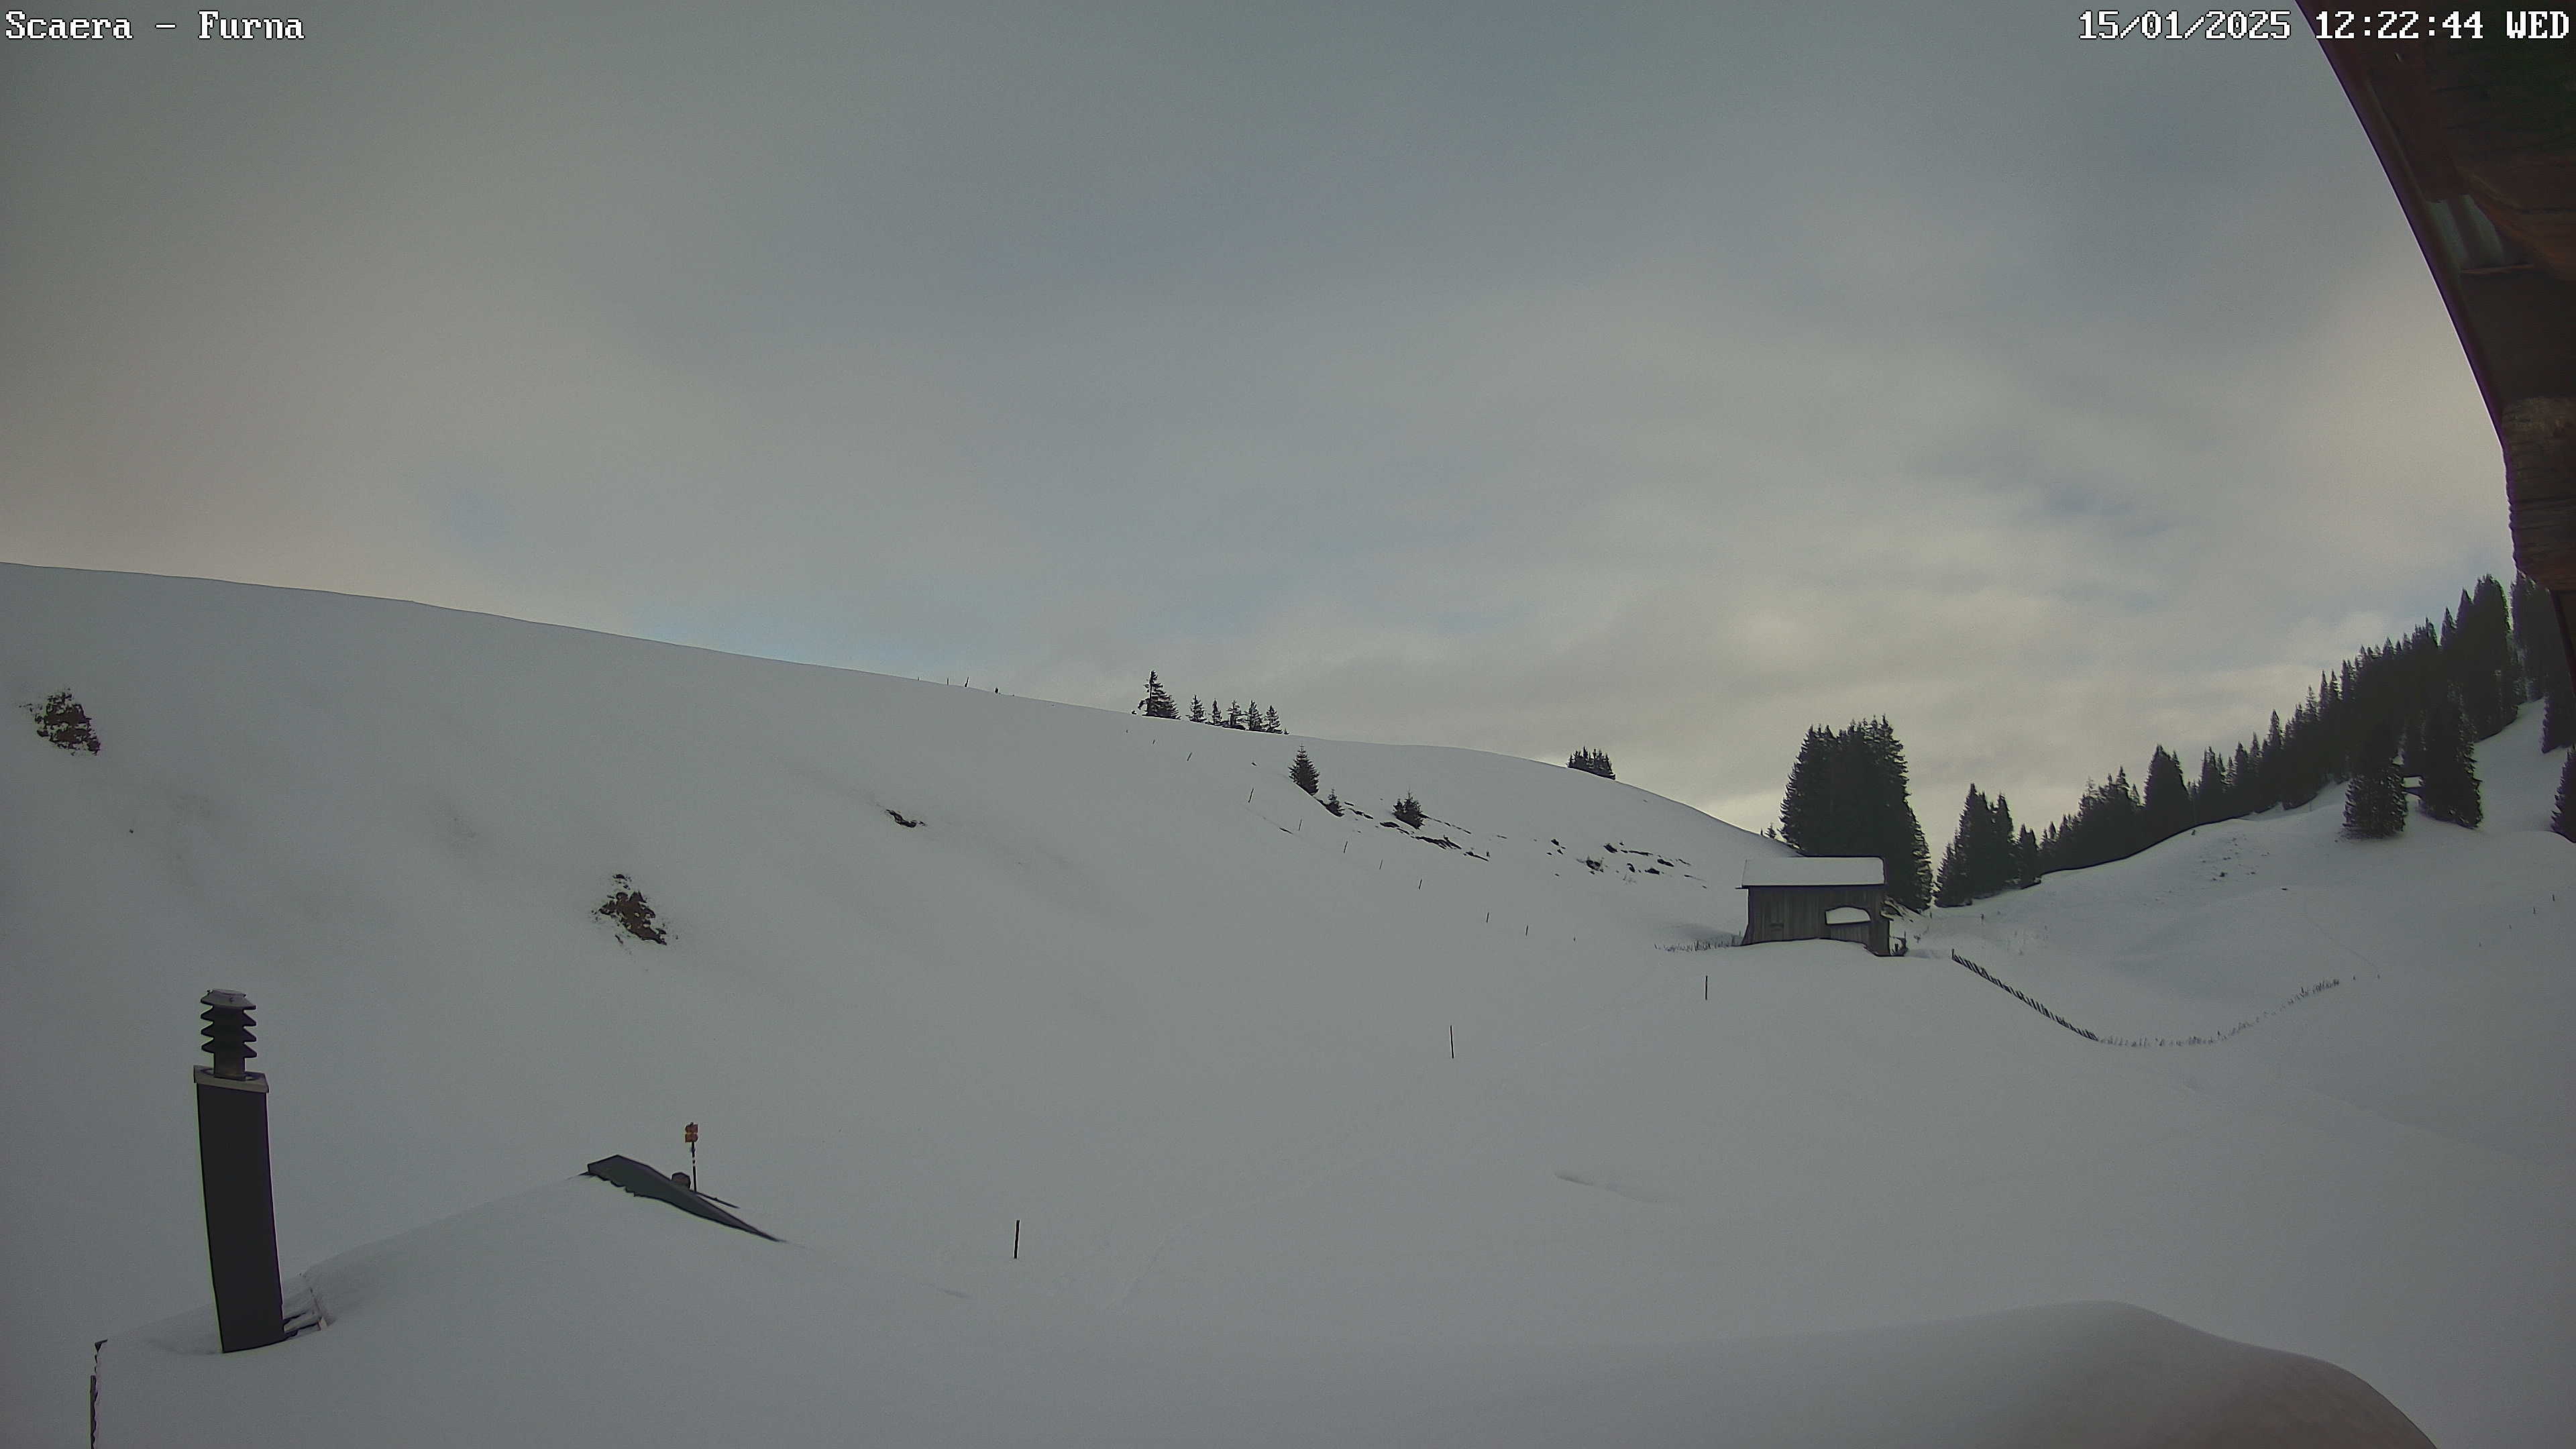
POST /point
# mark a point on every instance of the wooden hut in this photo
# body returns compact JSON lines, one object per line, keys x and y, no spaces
{"x":1817,"y":898}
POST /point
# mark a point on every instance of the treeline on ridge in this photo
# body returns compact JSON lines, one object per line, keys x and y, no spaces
{"x":1157,"y":704}
{"x":2410,"y":708}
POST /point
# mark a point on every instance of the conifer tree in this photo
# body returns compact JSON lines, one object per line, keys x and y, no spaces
{"x":1198,"y":712}
{"x":2449,"y":769}
{"x":2209,"y":797}
{"x":2306,"y":764}
{"x":1234,"y":715}
{"x":1847,"y":795}
{"x":1591,"y":762}
{"x":1985,"y":855}
{"x":1908,"y":857}
{"x":1953,"y":886}
{"x":2485,"y":668}
{"x":2126,"y":813}
{"x":2544,"y":658}
{"x":1156,"y":704}
{"x":1302,"y":773}
{"x":1270,"y":721}
{"x":1333,"y":801}
{"x":2026,"y":859}
{"x":1804,"y":806}
{"x":2168,"y":803}
{"x":2104,"y":827}
{"x":2271,"y":794}
{"x":2563,"y":819}
{"x":1995,"y":860}
{"x":2374,"y":803}
{"x":1409,"y":810}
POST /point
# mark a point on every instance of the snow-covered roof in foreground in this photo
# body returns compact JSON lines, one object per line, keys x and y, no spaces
{"x":577,"y":1315}
{"x":1845,"y":916}
{"x":1817,"y":870}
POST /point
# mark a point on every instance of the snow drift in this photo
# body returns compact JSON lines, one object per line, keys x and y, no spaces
{"x":574,"y":1315}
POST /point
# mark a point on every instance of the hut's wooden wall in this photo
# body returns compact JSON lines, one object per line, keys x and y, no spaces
{"x":1801,"y":911}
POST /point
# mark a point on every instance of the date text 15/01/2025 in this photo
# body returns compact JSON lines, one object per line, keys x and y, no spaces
{"x":2327,"y":24}
{"x":211,"y":25}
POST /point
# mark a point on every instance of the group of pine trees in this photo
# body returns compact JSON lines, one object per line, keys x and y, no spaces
{"x":1157,"y":704}
{"x":2396,"y":725}
{"x":1847,"y":795}
{"x":2374,"y":800}
{"x":1987,"y":854}
{"x":1304,"y":776}
{"x":2563,"y":819}
{"x":2546,"y":666}
{"x":2436,"y":750}
{"x":1596,"y":762}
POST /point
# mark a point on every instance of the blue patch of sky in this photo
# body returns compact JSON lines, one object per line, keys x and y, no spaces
{"x":464,"y":497}
{"x":476,"y":519}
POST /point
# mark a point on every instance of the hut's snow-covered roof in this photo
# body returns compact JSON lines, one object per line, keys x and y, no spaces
{"x":1817,"y":870}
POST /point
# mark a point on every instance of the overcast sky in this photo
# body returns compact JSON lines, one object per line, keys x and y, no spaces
{"x":1662,"y":378}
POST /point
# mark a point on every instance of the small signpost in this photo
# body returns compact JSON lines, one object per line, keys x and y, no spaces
{"x":689,"y":1135}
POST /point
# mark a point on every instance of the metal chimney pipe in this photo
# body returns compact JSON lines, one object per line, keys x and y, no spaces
{"x":232,"y":1157}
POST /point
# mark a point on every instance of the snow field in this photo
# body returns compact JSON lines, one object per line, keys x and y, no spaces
{"x":1198,"y":1043}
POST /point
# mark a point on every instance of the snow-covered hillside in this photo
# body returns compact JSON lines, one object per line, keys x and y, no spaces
{"x":2454,"y":950}
{"x":1127,"y":986}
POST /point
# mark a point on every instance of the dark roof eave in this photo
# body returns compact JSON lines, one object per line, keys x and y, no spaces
{"x":643,"y":1181}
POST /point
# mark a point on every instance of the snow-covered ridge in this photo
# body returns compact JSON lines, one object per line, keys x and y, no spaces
{"x":1127,"y":986}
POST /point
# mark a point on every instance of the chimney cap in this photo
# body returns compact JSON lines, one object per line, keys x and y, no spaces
{"x":228,"y":1034}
